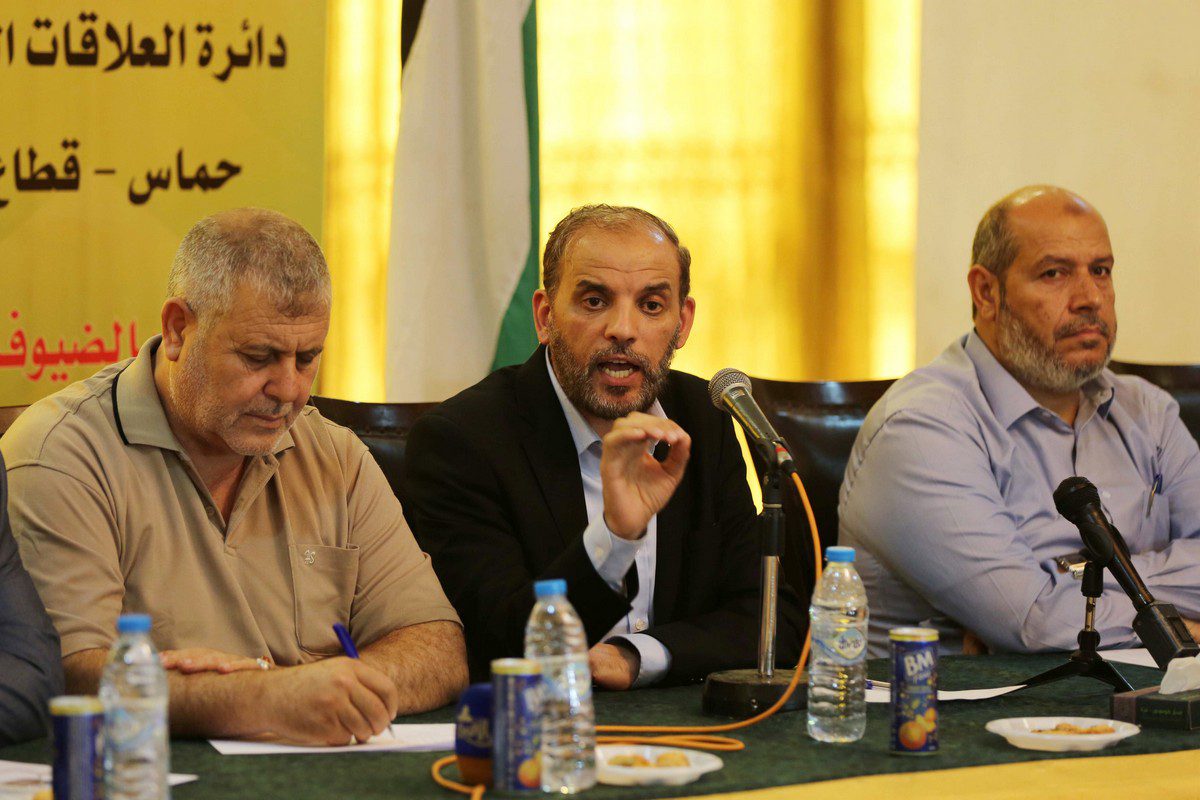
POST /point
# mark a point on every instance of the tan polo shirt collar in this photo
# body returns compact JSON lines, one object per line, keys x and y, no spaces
{"x":139,"y":412}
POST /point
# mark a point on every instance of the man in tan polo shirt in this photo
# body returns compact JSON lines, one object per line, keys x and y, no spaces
{"x":192,"y":483}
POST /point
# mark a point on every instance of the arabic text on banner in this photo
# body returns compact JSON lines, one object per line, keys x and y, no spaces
{"x":124,"y":123}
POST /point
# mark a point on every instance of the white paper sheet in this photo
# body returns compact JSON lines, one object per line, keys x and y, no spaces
{"x":1140,"y":657}
{"x":408,"y":738}
{"x":883,"y":695}
{"x":21,"y":780}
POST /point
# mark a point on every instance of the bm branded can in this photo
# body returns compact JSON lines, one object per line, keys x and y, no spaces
{"x":914,"y":690}
{"x":473,"y":734}
{"x":77,"y":725}
{"x":516,"y":725}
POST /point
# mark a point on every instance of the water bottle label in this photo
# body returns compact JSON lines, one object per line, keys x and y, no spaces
{"x":846,"y":647}
{"x":567,"y":681}
{"x":132,"y":728}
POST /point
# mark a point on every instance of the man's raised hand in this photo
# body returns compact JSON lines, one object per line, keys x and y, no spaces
{"x":635,"y":485}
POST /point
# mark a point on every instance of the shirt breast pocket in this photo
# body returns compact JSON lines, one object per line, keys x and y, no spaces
{"x":323,"y":581}
{"x":1158,"y":523}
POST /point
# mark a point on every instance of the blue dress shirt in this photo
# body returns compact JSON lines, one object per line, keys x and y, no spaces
{"x":948,"y":497}
{"x":611,"y":555}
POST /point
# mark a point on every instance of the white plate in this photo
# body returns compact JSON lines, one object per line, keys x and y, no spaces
{"x":1019,"y":731}
{"x":700,"y":763}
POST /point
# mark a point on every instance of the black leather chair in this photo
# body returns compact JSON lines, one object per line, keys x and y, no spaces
{"x":383,"y":427}
{"x":819,"y":420}
{"x":8,"y":415}
{"x":1181,"y":380}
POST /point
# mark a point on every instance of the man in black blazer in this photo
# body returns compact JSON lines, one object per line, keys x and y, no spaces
{"x":30,"y":662}
{"x":596,"y":463}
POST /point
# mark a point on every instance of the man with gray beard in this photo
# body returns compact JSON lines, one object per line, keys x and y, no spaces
{"x":194,"y":484}
{"x":948,"y":494}
{"x":597,"y":463}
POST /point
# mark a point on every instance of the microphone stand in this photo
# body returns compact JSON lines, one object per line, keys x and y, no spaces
{"x":1086,"y":662}
{"x":745,"y":692}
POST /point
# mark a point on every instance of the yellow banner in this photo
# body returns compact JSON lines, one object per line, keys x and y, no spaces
{"x":122,"y":124}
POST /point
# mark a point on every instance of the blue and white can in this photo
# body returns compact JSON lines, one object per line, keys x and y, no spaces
{"x":77,"y":724}
{"x":516,"y":725}
{"x":914,"y":690}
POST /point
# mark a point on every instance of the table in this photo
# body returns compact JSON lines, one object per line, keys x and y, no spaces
{"x":778,"y":753}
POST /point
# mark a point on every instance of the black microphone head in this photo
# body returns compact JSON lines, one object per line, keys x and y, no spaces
{"x":725,"y":380}
{"x":1073,"y":495}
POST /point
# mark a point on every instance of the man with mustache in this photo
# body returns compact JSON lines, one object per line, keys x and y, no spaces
{"x":596,"y":463}
{"x":192,"y":483}
{"x":948,"y":492}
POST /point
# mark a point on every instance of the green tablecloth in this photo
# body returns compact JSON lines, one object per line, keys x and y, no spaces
{"x":778,"y":751}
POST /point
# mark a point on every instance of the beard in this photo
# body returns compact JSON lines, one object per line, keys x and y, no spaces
{"x":575,"y":377}
{"x":203,"y":413}
{"x":1035,"y":364}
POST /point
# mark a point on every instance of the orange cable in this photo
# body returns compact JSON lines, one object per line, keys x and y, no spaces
{"x":694,"y":736}
{"x":475,"y":791}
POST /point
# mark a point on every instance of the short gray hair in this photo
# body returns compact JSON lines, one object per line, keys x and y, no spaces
{"x":995,"y":247}
{"x":262,"y":247}
{"x":608,"y":217}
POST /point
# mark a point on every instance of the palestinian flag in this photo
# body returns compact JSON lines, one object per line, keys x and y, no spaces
{"x":463,"y":263}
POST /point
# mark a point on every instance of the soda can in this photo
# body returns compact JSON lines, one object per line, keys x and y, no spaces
{"x":516,"y":725}
{"x":914,"y":690}
{"x":77,"y":725}
{"x":473,"y":734}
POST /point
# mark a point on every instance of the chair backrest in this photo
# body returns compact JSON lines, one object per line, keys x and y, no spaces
{"x":8,"y":415}
{"x":383,"y":428}
{"x":819,"y":420}
{"x":1182,"y":381}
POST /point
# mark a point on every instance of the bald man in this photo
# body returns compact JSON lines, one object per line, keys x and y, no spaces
{"x":948,"y":494}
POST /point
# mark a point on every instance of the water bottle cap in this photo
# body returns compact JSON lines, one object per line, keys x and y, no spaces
{"x":550,"y":588}
{"x":840,"y":554}
{"x":133,"y":623}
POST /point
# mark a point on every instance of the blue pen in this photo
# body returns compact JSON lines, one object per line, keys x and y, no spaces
{"x":352,"y":652}
{"x":344,"y":637}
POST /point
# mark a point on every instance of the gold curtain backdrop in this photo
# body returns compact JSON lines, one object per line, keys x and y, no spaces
{"x":362,"y":121}
{"x":777,"y":136}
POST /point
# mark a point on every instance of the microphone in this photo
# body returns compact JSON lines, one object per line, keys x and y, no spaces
{"x":1079,"y":501}
{"x":1157,"y":624}
{"x":729,"y":390}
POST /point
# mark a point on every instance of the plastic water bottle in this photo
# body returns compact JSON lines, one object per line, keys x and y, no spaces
{"x":837,"y":708}
{"x":133,"y":689}
{"x":555,"y":638}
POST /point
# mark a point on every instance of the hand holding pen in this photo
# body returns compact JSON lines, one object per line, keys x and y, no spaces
{"x":351,"y":651}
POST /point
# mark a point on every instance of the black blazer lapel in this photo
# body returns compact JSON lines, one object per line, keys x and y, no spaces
{"x":673,"y":525}
{"x":550,"y":449}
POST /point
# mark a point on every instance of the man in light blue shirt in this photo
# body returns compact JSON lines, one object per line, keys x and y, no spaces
{"x":948,"y":494}
{"x":30,"y":661}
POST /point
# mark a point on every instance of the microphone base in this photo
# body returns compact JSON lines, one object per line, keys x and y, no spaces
{"x":1083,"y":664}
{"x":742,"y":693}
{"x":1162,"y":630}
